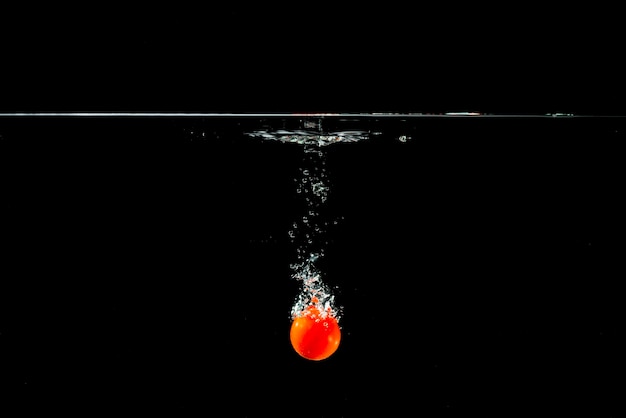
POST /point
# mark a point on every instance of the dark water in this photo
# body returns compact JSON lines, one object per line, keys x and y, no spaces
{"x":146,"y":265}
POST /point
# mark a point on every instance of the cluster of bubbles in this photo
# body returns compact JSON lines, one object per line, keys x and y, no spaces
{"x":314,"y":291}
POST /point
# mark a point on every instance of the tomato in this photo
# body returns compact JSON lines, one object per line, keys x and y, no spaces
{"x":315,"y":336}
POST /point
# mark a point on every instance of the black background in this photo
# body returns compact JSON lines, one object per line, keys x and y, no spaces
{"x":320,"y":58}
{"x":477,"y":265}
{"x":146,"y":260}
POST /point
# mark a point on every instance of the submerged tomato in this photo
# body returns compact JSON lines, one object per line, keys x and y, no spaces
{"x":313,"y":337}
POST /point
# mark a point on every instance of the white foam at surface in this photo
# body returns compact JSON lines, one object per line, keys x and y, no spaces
{"x":306,"y":137}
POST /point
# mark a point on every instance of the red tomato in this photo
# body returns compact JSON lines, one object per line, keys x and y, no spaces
{"x":313,"y":337}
